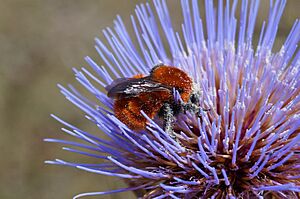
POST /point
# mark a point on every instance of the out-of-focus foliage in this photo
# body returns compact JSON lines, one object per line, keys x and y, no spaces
{"x":40,"y":41}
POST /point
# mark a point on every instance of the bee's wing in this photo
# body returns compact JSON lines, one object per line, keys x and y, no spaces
{"x":116,"y":82}
{"x":130,"y":87}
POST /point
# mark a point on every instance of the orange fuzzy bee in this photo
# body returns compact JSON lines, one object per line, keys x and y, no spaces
{"x":148,"y":93}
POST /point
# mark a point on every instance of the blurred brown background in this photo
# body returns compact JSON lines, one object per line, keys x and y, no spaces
{"x":40,"y":41}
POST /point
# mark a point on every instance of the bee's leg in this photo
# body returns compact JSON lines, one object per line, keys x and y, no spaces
{"x":193,"y":105}
{"x":168,"y":118}
{"x":200,"y":110}
{"x":167,"y":113}
{"x":190,"y":107}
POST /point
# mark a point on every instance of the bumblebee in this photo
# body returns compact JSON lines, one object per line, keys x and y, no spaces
{"x":153,"y":94}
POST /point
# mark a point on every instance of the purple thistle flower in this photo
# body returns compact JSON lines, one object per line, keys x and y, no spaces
{"x":246,"y":146}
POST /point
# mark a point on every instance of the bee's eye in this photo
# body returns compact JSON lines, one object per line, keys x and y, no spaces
{"x":194,"y":98}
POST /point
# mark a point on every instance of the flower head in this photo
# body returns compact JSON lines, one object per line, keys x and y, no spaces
{"x":245,"y":144}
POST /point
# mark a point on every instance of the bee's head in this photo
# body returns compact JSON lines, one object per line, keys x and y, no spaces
{"x":195,"y":98}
